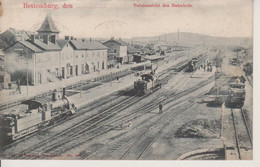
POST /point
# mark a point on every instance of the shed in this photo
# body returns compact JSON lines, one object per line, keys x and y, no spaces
{"x":156,"y":61}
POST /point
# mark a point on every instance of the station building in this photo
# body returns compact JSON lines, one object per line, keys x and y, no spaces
{"x":48,"y":59}
{"x":117,"y":51}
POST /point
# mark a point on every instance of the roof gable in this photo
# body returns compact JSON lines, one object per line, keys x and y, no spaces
{"x":118,"y":41}
{"x":62,"y":42}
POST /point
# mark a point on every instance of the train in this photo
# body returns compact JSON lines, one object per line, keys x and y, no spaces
{"x":192,"y":65}
{"x":147,"y":82}
{"x":39,"y":113}
{"x":236,"y":95}
{"x":248,"y":69}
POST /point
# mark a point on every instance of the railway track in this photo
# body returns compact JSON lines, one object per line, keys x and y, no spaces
{"x":148,"y":135}
{"x":80,"y":131}
{"x":243,"y":137}
{"x":88,"y":108}
{"x":146,"y":109}
{"x":150,"y":139}
{"x":93,"y":122}
{"x":137,"y":112}
{"x":80,"y":128}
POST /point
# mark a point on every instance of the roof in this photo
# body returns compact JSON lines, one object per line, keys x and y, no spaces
{"x":155,"y":57}
{"x":31,"y":46}
{"x":38,"y":46}
{"x":48,"y":26}
{"x":40,"y":101}
{"x":62,"y":42}
{"x":87,"y":45}
{"x":48,"y":47}
{"x":119,"y":41}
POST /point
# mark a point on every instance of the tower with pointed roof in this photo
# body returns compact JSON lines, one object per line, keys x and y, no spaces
{"x":48,"y":30}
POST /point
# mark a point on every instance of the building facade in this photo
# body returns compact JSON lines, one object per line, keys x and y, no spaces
{"x":117,"y":51}
{"x":48,"y":59}
{"x":5,"y":79}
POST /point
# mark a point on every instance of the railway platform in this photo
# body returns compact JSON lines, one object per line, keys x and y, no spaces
{"x":8,"y":97}
{"x":94,"y":94}
{"x":200,"y":73}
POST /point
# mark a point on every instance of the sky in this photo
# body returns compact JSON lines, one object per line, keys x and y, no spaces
{"x":119,"y":18}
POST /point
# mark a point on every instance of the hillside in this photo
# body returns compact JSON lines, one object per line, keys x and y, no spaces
{"x":193,"y":39}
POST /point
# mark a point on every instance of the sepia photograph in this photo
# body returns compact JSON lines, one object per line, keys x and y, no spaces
{"x":126,"y":80}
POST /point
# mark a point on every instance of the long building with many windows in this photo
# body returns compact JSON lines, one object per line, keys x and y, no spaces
{"x":48,"y":59}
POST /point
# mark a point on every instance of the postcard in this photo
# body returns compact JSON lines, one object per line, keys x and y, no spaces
{"x":126,"y":80}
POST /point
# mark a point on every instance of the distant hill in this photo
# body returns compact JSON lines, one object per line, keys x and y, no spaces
{"x":193,"y":39}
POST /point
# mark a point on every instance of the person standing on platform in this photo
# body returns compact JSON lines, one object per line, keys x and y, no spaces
{"x":18,"y":86}
{"x":160,"y":108}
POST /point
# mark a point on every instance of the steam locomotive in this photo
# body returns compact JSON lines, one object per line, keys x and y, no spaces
{"x":148,"y":82}
{"x":192,"y":65}
{"x":237,"y":92}
{"x":40,"y":112}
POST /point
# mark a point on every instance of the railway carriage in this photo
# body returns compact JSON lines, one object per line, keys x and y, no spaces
{"x":236,"y":92}
{"x":146,"y":83}
{"x":40,"y":112}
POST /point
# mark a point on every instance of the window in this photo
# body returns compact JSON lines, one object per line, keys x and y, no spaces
{"x":76,"y":70}
{"x":82,"y":68}
{"x":115,"y":51}
{"x":57,"y":72}
{"x":82,"y":56}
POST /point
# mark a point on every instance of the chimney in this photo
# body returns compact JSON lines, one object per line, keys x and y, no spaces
{"x":45,"y":39}
{"x":71,"y":38}
{"x":67,"y":38}
{"x":32,"y":38}
{"x":53,"y":96}
{"x":90,"y":40}
{"x":53,"y":39}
